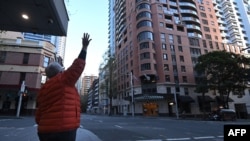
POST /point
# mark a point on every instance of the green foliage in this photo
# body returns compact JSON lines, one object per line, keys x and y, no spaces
{"x":222,"y":71}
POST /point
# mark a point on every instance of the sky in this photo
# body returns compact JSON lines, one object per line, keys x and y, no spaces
{"x":90,"y":16}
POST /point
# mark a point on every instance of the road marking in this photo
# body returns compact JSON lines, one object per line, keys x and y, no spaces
{"x":150,"y":140}
{"x":178,"y":139}
{"x":118,"y":126}
{"x":206,"y":137}
{"x":220,"y":136}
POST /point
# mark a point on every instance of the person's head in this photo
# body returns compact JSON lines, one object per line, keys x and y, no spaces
{"x":53,"y":69}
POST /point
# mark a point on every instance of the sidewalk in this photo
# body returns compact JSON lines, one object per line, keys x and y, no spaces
{"x":10,"y":132}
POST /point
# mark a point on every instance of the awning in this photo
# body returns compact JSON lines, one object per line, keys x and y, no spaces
{"x":148,"y":98}
{"x":185,"y":99}
{"x":45,"y":16}
{"x":224,"y":98}
{"x":207,"y":99}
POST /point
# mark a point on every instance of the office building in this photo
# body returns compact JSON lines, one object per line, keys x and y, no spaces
{"x":22,"y":60}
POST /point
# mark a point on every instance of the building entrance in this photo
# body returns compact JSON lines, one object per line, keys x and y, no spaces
{"x":150,"y":109}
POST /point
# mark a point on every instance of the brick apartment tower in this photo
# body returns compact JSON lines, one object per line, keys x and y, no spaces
{"x":159,"y":41}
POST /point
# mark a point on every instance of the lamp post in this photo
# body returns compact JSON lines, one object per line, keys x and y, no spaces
{"x":20,"y":98}
{"x":176,"y":106}
{"x":132,"y":93}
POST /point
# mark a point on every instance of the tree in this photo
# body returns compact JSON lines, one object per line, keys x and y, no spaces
{"x":108,"y":68}
{"x":84,"y":103}
{"x":225,"y":72}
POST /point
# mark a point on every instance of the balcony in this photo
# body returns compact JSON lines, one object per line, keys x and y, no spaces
{"x":44,"y":16}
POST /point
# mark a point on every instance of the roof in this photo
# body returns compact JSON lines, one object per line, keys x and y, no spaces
{"x":45,"y":16}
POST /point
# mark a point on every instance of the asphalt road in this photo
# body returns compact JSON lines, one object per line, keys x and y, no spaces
{"x":114,"y":128}
{"x":111,"y":128}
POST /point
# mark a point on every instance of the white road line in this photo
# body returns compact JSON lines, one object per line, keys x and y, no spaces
{"x":118,"y":126}
{"x":178,"y":139}
{"x":150,"y":140}
{"x":220,"y":136}
{"x":205,"y":137}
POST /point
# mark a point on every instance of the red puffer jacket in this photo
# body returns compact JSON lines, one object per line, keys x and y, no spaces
{"x":58,"y":102}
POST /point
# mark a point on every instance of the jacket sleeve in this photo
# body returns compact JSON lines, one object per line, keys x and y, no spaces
{"x":72,"y":74}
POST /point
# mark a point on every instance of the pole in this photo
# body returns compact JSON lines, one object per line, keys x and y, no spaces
{"x":20,"y":98}
{"x":176,"y":104}
{"x":132,"y":93}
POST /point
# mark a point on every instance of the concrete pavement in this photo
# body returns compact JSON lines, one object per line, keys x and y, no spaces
{"x":13,"y":129}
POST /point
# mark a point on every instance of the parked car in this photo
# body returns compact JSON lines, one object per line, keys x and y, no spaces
{"x":223,"y":115}
{"x":227,"y":114}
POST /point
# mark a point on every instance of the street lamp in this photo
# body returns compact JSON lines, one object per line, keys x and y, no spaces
{"x":132,"y":93}
{"x":20,"y":98}
{"x":176,"y":106}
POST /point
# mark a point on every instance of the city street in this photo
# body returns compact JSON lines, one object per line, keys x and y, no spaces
{"x":154,"y":128}
{"x":119,"y":128}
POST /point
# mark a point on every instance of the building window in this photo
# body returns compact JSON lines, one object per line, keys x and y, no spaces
{"x":144,"y":45}
{"x":171,"y":38}
{"x":164,"y":46}
{"x":203,"y":15}
{"x":204,"y":43}
{"x":167,"y":78}
{"x":163,"y":38}
{"x":186,"y":91}
{"x":205,"y":22}
{"x":22,"y":77}
{"x":182,"y":58}
{"x":202,"y":8}
{"x":208,"y":36}
{"x":168,"y":90}
{"x":184,"y":78}
{"x":143,"y":14}
{"x":145,"y":55}
{"x":211,"y":44}
{"x":160,"y":16}
{"x":46,"y":61}
{"x":194,"y":42}
{"x":2,"y":56}
{"x":145,"y":35}
{"x":145,"y":66}
{"x":143,"y":6}
{"x":179,"y":39}
{"x":144,"y":23}
{"x":180,"y":49}
{"x":161,"y":24}
{"x":172,"y":48}
{"x":206,"y":29}
{"x":165,"y":56}
{"x":26,"y":58}
{"x":183,"y":69}
{"x":195,"y":51}
{"x":166,"y":67}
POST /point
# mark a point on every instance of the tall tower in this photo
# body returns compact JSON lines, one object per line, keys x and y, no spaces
{"x":159,"y":41}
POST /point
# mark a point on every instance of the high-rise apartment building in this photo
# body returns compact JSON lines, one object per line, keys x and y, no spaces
{"x":86,"y":83}
{"x":159,"y":41}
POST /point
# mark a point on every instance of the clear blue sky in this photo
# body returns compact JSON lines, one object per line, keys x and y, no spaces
{"x":87,"y":16}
